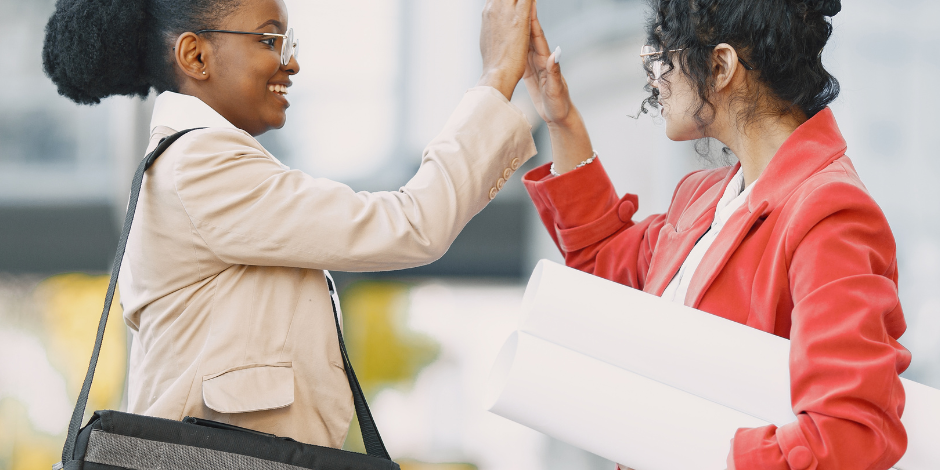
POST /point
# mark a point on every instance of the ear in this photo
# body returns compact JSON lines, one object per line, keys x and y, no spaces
{"x":191,"y":52}
{"x":724,"y":66}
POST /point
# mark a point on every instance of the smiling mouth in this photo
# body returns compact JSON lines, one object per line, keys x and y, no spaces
{"x":279,"y":89}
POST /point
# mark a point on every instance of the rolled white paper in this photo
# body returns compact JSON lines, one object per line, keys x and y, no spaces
{"x":611,"y":412}
{"x":921,"y":420}
{"x":714,"y":358}
{"x":695,"y":354}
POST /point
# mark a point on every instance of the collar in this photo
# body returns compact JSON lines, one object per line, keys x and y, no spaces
{"x":180,"y":112}
{"x":812,"y":147}
{"x":734,"y":197}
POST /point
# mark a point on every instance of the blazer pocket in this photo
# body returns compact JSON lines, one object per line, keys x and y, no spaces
{"x":253,"y":387}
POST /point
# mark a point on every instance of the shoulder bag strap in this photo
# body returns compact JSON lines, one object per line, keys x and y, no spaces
{"x":370,"y":433}
{"x":76,"y":422}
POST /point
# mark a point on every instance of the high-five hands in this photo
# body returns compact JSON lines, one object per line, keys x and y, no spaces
{"x":504,"y":43}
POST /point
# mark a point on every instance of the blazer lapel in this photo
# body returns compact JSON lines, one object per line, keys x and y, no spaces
{"x":676,"y":241}
{"x":728,"y":240}
{"x":812,"y":146}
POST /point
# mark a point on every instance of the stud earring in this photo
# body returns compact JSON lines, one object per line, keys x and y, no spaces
{"x":203,"y":72}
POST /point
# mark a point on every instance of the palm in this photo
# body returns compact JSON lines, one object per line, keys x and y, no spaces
{"x":543,"y":78}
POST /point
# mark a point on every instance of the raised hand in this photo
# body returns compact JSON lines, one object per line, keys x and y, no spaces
{"x":543,"y":79}
{"x":504,"y":43}
{"x":571,"y":144}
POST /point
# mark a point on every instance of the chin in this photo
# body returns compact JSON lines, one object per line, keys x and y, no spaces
{"x":682,"y":131}
{"x":272,"y":124}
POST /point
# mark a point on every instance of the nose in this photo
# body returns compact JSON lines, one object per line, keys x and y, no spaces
{"x":292,"y":67}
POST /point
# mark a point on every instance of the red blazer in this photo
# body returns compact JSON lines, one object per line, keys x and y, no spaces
{"x":809,"y":257}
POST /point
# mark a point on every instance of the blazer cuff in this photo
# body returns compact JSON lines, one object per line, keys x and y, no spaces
{"x":794,"y":446}
{"x":496,"y":136}
{"x":773,"y":448}
{"x":577,"y":197}
{"x":582,"y":203}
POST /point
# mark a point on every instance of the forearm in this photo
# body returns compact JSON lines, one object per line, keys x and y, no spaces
{"x":571,"y":143}
{"x":249,"y":209}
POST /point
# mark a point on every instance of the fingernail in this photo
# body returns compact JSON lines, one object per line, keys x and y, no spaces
{"x":558,"y":54}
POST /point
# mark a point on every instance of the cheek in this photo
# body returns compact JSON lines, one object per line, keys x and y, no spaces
{"x":253,"y":70}
{"x":679,"y":108}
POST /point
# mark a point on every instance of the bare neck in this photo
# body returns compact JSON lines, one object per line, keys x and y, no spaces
{"x":756,"y":143}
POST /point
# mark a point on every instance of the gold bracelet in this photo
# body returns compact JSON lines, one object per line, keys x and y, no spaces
{"x":589,"y":160}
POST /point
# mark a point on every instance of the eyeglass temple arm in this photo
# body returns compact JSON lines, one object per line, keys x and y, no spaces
{"x":647,"y":54}
{"x":240,"y":32}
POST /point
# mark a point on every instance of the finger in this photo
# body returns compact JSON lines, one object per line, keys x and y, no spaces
{"x":538,"y":41}
{"x":524,"y":9}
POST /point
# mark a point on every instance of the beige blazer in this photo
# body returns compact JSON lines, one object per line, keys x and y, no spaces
{"x":223,"y":278}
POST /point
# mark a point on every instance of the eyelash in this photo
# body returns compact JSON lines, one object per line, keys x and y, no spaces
{"x":271,"y":43}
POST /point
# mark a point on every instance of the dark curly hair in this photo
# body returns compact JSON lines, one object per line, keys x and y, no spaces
{"x":782,"y":40}
{"x":98,"y":48}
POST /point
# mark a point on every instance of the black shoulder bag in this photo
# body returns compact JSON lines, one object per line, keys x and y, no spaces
{"x":113,"y":440}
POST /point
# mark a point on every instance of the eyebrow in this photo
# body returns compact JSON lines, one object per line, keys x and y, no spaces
{"x":277,"y":24}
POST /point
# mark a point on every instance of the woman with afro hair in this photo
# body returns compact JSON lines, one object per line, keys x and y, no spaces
{"x":787,"y":240}
{"x":223,"y":280}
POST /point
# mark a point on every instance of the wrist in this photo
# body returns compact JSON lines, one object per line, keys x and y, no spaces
{"x":499,"y":80}
{"x":555,"y":171}
{"x":571,"y":123}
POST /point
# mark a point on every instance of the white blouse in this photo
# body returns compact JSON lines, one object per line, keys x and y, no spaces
{"x":732,"y":200}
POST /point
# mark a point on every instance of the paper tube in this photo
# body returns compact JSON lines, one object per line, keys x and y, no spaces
{"x":608,"y":411}
{"x":708,"y":357}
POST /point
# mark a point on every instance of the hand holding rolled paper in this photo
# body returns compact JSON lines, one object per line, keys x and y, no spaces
{"x":653,"y":384}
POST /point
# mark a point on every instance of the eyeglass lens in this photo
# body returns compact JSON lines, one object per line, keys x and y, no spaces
{"x":652,"y":62}
{"x":289,"y":48}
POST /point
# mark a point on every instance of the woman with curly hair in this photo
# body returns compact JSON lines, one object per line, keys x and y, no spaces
{"x":787,"y":240}
{"x":223,"y":279}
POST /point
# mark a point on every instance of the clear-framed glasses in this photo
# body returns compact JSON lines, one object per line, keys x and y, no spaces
{"x":652,"y":60}
{"x":290,"y":45}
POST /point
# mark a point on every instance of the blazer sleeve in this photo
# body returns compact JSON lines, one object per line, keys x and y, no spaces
{"x":592,"y":227}
{"x":250,"y":209}
{"x":844,"y":354}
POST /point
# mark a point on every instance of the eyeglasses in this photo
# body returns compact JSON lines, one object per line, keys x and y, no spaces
{"x":653,"y":61}
{"x":289,"y":44}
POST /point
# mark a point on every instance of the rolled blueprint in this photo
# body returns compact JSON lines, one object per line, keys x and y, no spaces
{"x":698,"y":355}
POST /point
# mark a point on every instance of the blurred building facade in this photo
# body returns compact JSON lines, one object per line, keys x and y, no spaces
{"x":378,"y":80}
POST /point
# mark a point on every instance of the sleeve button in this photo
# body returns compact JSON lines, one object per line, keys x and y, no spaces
{"x":493,"y":192}
{"x":514,"y":164}
{"x":626,"y":211}
{"x":800,"y":458}
{"x":500,"y":183}
{"x":507,"y":173}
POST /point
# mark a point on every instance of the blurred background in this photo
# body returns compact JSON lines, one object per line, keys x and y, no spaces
{"x":379,"y":79}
